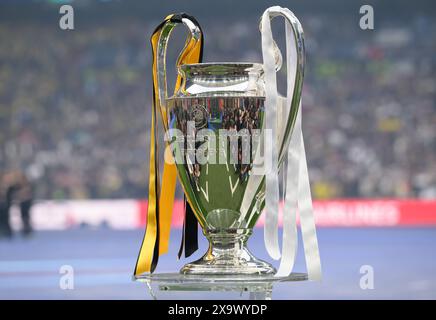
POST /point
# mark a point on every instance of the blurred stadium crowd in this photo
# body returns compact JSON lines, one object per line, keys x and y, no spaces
{"x":75,"y":106}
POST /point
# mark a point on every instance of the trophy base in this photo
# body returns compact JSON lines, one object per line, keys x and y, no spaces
{"x":228,"y":255}
{"x":259,"y":287}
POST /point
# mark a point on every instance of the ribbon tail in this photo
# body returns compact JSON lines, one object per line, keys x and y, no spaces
{"x":290,"y":236}
{"x":191,"y":232}
{"x":307,"y":220}
{"x":166,"y":204}
{"x":182,"y":242}
{"x":189,"y":241}
{"x":149,"y":252}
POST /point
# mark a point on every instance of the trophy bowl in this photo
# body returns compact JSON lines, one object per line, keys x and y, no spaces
{"x":215,"y":125}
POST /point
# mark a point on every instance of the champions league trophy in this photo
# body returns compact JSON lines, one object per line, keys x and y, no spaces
{"x":224,"y":104}
{"x":225,"y":124}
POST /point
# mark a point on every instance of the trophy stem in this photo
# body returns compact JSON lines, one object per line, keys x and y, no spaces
{"x":228,"y":255}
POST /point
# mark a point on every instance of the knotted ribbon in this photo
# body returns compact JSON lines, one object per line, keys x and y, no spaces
{"x":297,"y":194}
{"x":161,"y":200}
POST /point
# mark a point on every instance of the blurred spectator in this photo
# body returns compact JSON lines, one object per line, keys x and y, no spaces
{"x":15,"y":188}
{"x":5,"y":203}
{"x":75,"y":106}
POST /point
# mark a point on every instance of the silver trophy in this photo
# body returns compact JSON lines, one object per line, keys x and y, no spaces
{"x":215,"y":128}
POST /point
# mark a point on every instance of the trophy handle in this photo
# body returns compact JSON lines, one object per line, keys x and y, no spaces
{"x":298,"y":37}
{"x":194,"y":36}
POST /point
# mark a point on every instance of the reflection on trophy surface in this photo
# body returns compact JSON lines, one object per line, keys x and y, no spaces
{"x":219,"y":113}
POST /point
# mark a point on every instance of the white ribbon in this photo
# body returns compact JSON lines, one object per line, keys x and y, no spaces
{"x":297,"y":186}
{"x":271,"y":170}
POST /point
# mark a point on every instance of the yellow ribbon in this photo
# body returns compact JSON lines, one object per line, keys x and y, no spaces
{"x":159,"y":214}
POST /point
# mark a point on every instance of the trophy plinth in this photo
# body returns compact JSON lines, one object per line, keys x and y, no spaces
{"x":228,"y":255}
{"x":176,"y":285}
